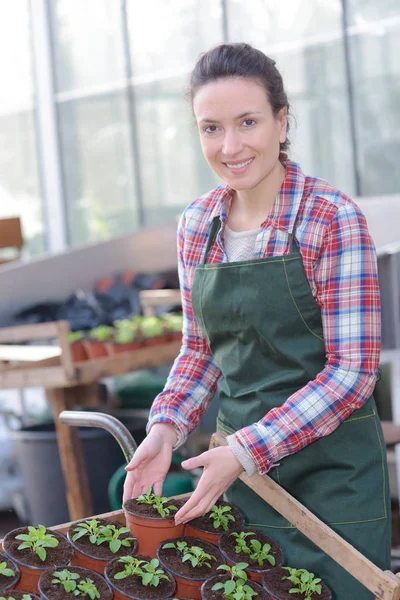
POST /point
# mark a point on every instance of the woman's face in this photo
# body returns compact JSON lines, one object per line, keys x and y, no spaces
{"x":240,"y":136}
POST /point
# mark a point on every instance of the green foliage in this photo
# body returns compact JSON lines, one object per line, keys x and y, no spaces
{"x":24,"y":597}
{"x":67,"y":579}
{"x":148,"y":571}
{"x":173,"y":321}
{"x":261,"y":553}
{"x":236,"y":587}
{"x":151,"y":327}
{"x":4,"y":570}
{"x":99,"y":534}
{"x":241,"y":544}
{"x":193,"y":554}
{"x":305,"y":583}
{"x":102,"y":333}
{"x":158,"y":502}
{"x":221,"y":517}
{"x":126,"y":331}
{"x":86,"y":587}
{"x":75,"y":336}
{"x":37,"y":540}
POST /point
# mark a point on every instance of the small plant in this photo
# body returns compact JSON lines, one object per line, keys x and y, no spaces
{"x":194,"y":554}
{"x":305,"y":582}
{"x":151,"y":574}
{"x":67,"y":579}
{"x":37,"y":540}
{"x":99,"y":534}
{"x":221,"y":517}
{"x":126,"y":331}
{"x":4,"y":570}
{"x":75,"y":336}
{"x":132,"y":566}
{"x":86,"y":587}
{"x":236,"y":587}
{"x":89,"y":528}
{"x":261,"y":553}
{"x":102,"y":333}
{"x":151,"y":327}
{"x":158,"y":502}
{"x":240,"y":539}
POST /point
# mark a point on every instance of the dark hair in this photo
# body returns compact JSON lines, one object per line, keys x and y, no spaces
{"x":242,"y":60}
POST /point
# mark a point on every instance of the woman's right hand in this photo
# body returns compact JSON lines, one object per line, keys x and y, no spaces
{"x":151,"y":462}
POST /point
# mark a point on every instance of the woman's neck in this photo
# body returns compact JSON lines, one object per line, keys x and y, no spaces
{"x":250,"y":207}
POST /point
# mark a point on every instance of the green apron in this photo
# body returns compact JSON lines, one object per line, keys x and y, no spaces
{"x":265,"y":331}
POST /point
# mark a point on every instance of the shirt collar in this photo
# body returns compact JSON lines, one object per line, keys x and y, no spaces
{"x":285,"y":208}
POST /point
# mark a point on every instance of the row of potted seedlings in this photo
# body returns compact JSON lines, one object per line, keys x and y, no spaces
{"x":125,"y":335}
{"x":214,"y":557}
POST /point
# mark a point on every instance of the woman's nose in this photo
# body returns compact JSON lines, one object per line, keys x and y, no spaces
{"x":232,"y":144}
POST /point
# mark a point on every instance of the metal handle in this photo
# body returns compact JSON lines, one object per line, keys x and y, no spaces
{"x":103,"y":421}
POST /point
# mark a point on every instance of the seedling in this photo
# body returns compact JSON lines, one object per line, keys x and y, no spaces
{"x":132,"y":566}
{"x":236,"y":587}
{"x":240,"y":539}
{"x":305,"y":583}
{"x":67,"y":579}
{"x":151,"y":574}
{"x":37,"y":540}
{"x":4,"y":570}
{"x":261,"y":553}
{"x":99,"y":534}
{"x":89,"y":528}
{"x":194,"y":554}
{"x":221,"y":517}
{"x":86,"y":587}
{"x":158,"y":502}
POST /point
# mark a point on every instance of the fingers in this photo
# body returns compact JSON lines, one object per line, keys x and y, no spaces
{"x":201,"y":460}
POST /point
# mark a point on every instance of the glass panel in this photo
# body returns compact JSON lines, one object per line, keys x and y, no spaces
{"x":305,"y":38}
{"x":88,"y":43}
{"x":375,"y":47}
{"x":20,"y":193}
{"x":97,"y":164}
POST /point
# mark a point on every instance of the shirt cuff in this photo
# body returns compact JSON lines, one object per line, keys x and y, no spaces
{"x":242,"y":455}
{"x":182,"y":435}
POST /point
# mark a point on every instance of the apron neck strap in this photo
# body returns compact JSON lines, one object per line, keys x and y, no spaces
{"x":214,"y":228}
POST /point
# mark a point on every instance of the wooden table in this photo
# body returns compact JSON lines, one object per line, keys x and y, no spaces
{"x":68,"y":385}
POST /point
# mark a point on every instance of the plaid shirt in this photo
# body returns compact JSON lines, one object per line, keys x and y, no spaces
{"x":340,"y":265}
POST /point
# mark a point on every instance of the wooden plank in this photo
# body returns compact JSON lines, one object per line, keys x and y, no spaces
{"x":28,"y":353}
{"x":31,"y":377}
{"x":143,"y":358}
{"x":385,"y":585}
{"x":63,"y":332}
{"x":23,"y":333}
{"x":71,"y":456}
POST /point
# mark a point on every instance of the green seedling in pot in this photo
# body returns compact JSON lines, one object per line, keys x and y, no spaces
{"x":240,"y":540}
{"x":193,"y":554}
{"x":67,"y":579}
{"x":158,"y":502}
{"x":86,"y":587}
{"x":151,"y":327}
{"x":151,"y":574}
{"x":37,"y":540}
{"x":221,"y":517}
{"x":305,"y":583}
{"x":102,"y":333}
{"x":87,"y":528}
{"x":173,"y":322}
{"x":75,"y":336}
{"x":132,"y":566}
{"x":236,"y":587}
{"x":261,"y":552}
{"x":110,"y":534}
{"x":6,"y":571}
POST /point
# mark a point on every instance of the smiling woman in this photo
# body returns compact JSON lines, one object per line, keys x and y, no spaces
{"x":282,"y":322}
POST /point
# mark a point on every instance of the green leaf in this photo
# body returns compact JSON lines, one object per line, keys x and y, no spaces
{"x":115,"y":545}
{"x":169,"y":545}
{"x":217,"y":586}
{"x":229,"y":586}
{"x":147,"y":577}
{"x":41,"y":552}
{"x":93,"y":538}
{"x":242,"y":565}
{"x":24,"y":537}
{"x":121,"y":575}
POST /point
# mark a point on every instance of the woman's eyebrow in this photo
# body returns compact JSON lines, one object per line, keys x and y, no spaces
{"x":241,"y":116}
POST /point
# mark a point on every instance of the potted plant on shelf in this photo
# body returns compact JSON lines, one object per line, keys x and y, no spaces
{"x":34,"y":550}
{"x":126,"y":337}
{"x":97,"y":541}
{"x":15,"y":595}
{"x":73,"y":582}
{"x":191,"y":561}
{"x":234,"y":585}
{"x":286,"y":583}
{"x":78,"y":351}
{"x":153,"y":331}
{"x":95,"y":342}
{"x":173,"y":325}
{"x":257,"y":549}
{"x":139,"y":577}
{"x":9,"y":574}
{"x":223,"y":516}
{"x":150,"y":519}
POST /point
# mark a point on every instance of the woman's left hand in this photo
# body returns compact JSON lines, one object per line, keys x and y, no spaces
{"x":221,"y":468}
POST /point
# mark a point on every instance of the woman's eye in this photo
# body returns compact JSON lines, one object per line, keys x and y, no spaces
{"x":249,"y":122}
{"x":210,"y":129}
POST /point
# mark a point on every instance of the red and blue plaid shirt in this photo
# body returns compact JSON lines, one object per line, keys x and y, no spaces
{"x":340,"y":264}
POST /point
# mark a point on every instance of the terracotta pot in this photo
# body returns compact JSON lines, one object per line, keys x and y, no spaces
{"x":9,"y":583}
{"x":155,"y":341}
{"x":206,"y":593}
{"x":78,"y":351}
{"x":120,"y":594}
{"x":175,"y":336}
{"x":278,"y":590}
{"x":114,"y":348}
{"x":86,"y":560}
{"x":30,"y":574}
{"x":255,"y":573}
{"x":150,"y":532}
{"x":45,"y":585}
{"x":95,"y":349}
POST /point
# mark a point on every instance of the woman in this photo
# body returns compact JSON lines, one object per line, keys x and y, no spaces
{"x":282,"y":320}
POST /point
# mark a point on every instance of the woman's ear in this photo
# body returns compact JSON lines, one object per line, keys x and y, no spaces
{"x":283,"y":117}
